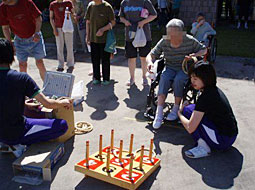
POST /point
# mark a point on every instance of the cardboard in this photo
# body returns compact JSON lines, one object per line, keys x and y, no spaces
{"x":38,"y":160}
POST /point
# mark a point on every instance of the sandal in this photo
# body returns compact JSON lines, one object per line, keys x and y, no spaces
{"x":197,"y":152}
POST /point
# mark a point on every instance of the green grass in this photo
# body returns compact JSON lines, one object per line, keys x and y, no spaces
{"x":231,"y":42}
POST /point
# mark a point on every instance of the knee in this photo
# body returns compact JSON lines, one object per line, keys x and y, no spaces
{"x":39,"y":63}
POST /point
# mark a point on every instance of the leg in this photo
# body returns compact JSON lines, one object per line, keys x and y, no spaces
{"x":82,"y":38}
{"x":105,"y":64}
{"x":22,"y":53}
{"x":22,"y":66}
{"x":39,"y":130}
{"x":41,"y":67}
{"x":75,"y":37}
{"x":143,"y":52}
{"x":69,"y":47}
{"x":131,"y":54}
{"x":179,"y":82}
{"x":60,"y":48}
{"x":95,"y":58}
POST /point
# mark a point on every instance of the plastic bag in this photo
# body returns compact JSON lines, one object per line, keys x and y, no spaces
{"x":110,"y":42}
{"x":140,"y":38}
{"x":77,"y":93}
{"x":67,"y":25}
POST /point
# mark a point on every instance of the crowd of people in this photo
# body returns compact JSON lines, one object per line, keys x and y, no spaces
{"x":211,"y":121}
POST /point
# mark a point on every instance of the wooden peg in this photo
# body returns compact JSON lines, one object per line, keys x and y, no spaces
{"x":141,"y":158}
{"x":131,"y":144}
{"x":120,"y":152}
{"x":87,"y":153}
{"x":131,"y":165}
{"x":100,"y":145}
{"x":112,"y":139}
{"x":108,"y":160}
{"x":150,"y":152}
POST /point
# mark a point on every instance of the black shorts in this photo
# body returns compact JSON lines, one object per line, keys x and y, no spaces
{"x":131,"y":51}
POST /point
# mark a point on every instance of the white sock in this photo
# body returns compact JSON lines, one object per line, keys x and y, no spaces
{"x":175,"y":108}
{"x":159,"y":112}
{"x":203,"y":144}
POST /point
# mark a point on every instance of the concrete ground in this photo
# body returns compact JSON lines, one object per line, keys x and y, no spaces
{"x":120,"y":108}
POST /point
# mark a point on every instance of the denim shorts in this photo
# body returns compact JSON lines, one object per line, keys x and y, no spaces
{"x":172,"y":78}
{"x":25,"y":47}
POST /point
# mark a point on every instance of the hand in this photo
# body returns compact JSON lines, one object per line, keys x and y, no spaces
{"x":140,"y":24}
{"x":190,"y":56}
{"x":184,"y":104}
{"x":100,"y":32}
{"x":36,"y":37}
{"x":55,"y":32}
{"x":127,"y":23}
{"x":66,"y":103}
{"x":150,"y":67}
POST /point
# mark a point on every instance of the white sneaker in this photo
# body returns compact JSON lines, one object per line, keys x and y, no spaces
{"x":172,"y":116}
{"x":157,"y":123}
{"x":197,"y":152}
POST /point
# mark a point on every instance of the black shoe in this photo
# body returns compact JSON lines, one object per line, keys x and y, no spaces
{"x":70,"y":69}
{"x":60,"y":69}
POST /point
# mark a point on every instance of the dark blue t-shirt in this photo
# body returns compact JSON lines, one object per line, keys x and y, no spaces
{"x":14,"y":86}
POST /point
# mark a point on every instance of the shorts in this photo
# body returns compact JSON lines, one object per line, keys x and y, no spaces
{"x":172,"y":78}
{"x":131,"y":51}
{"x":25,"y":47}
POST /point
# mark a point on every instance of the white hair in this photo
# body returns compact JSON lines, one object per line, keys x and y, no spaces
{"x":175,"y":23}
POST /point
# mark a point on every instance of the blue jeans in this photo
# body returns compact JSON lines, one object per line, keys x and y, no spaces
{"x":207,"y":131}
{"x":25,"y":47}
{"x":172,"y":78}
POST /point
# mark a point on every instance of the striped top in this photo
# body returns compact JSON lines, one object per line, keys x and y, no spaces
{"x":175,"y":56}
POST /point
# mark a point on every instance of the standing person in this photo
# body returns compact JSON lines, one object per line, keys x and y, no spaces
{"x":23,"y":18}
{"x":79,"y":25}
{"x":244,"y":9}
{"x":57,"y":16}
{"x":15,"y":128}
{"x":130,"y":15}
{"x":176,"y":5}
{"x":210,"y":121}
{"x":162,"y":17}
{"x":99,"y":19}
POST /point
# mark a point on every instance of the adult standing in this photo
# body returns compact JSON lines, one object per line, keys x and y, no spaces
{"x":176,"y":5}
{"x":57,"y":16}
{"x":99,"y":19}
{"x":79,"y":25}
{"x":162,"y":17}
{"x":244,"y":9}
{"x":130,"y":15}
{"x":23,"y":18}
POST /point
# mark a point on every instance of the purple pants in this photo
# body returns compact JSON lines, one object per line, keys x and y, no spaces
{"x":39,"y":130}
{"x":207,"y":131}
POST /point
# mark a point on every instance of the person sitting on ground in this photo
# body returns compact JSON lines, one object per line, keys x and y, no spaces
{"x":202,"y":29}
{"x":16,"y":129}
{"x":174,"y":47}
{"x":210,"y":121}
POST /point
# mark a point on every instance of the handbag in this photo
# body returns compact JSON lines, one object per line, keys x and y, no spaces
{"x":67,"y":25}
{"x":110,"y":42}
{"x":140,"y":38}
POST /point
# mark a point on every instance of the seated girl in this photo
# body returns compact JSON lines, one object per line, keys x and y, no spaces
{"x":202,"y":29}
{"x":210,"y":121}
{"x":15,"y":129}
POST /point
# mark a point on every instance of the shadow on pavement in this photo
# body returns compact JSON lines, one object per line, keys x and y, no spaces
{"x":218,"y":170}
{"x":102,"y":98}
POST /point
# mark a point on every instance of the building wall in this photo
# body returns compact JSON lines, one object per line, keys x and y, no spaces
{"x":190,"y":8}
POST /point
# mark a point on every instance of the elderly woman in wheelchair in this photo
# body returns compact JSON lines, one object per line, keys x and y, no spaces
{"x":204,"y":32}
{"x":175,"y":47}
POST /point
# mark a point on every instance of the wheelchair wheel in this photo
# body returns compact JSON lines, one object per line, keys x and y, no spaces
{"x":212,"y":50}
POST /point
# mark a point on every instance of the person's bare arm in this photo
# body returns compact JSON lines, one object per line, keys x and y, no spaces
{"x":88,"y":32}
{"x":125,"y":21}
{"x":38,"y":25}
{"x":7,"y":32}
{"x":51,"y":103}
{"x":109,"y":26}
{"x":53,"y":23}
{"x":147,"y":20}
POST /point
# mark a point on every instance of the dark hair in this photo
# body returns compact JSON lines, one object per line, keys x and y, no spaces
{"x":201,"y":14}
{"x":6,"y":52}
{"x":205,"y":71}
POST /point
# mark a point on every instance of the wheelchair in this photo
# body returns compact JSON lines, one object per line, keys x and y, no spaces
{"x":211,"y":49}
{"x":189,"y":93}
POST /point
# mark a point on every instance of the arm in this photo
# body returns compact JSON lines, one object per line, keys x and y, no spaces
{"x":53,"y":104}
{"x":147,"y":20}
{"x":194,"y":29}
{"x":88,"y":32}
{"x":191,"y":124}
{"x":38,"y":25}
{"x":53,"y":23}
{"x":7,"y":32}
{"x":109,"y":26}
{"x":209,"y":31}
{"x":125,"y":21}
